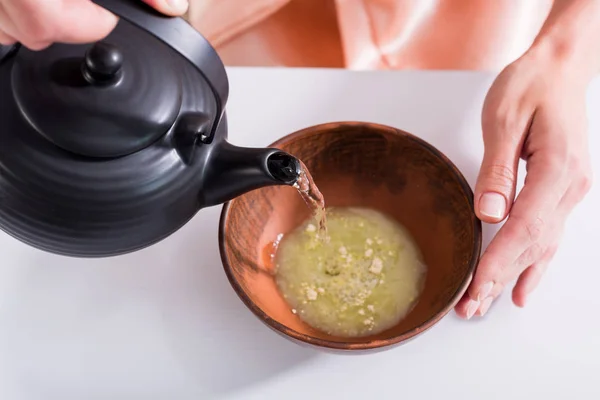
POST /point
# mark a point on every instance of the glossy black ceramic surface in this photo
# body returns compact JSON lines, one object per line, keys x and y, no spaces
{"x":63,"y":93}
{"x":110,"y":147}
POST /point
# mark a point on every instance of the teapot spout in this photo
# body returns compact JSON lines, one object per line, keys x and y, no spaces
{"x":233,"y":171}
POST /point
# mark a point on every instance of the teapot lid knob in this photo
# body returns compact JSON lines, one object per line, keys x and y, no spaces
{"x":102,"y":100}
{"x":103,"y":63}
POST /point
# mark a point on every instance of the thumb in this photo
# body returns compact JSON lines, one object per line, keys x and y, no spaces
{"x":496,"y":184}
{"x":169,"y":7}
{"x":83,"y":22}
{"x":86,"y":22}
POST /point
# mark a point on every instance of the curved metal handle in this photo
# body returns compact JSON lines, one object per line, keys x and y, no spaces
{"x":178,"y":34}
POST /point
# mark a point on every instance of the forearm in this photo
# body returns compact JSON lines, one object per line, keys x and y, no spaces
{"x":571,"y":35}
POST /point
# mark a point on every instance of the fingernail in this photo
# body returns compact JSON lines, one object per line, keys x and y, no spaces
{"x":112,"y":19}
{"x":472,"y":307}
{"x":485,"y":306}
{"x":178,"y":5}
{"x":492,"y":205}
{"x":485,"y":290}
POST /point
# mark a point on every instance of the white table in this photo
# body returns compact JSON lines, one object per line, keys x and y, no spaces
{"x":164,"y":323}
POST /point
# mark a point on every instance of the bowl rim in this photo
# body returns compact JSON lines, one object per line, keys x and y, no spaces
{"x":372,"y":344}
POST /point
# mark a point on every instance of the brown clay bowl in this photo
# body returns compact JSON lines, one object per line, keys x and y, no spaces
{"x":364,"y":165}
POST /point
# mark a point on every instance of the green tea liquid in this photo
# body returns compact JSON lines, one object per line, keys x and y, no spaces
{"x":362,"y":280}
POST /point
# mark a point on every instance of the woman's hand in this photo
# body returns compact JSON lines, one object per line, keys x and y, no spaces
{"x":36,"y":24}
{"x":535,"y":111}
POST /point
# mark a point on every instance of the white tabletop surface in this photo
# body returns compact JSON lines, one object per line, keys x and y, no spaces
{"x":163,"y":323}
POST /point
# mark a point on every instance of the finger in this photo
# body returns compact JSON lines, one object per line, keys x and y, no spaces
{"x":495,"y":188}
{"x":461,"y":307}
{"x":169,"y":7}
{"x":6,"y":39}
{"x":527,"y":280}
{"x":519,"y":243}
{"x":487,"y":302}
{"x":484,"y":306}
{"x":466,"y":308}
{"x":36,"y":25}
{"x":503,"y":140}
{"x":37,"y":46}
{"x":530,"y":279}
{"x":83,"y":22}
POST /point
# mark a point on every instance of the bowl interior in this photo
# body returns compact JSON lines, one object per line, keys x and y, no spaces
{"x":364,"y":165}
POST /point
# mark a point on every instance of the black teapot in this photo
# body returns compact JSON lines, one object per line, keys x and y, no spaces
{"x":110,"y":147}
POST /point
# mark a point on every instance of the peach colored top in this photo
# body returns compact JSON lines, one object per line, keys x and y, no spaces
{"x":370,"y":34}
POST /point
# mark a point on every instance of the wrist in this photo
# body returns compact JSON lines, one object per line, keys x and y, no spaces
{"x":569,"y":38}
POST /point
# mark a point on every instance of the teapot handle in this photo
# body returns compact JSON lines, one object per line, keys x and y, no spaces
{"x":179,"y":35}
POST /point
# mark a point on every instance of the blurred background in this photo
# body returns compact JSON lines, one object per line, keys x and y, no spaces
{"x":370,"y":34}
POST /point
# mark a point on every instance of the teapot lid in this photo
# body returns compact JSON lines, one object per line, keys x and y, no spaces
{"x":120,"y":95}
{"x":72,"y":180}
